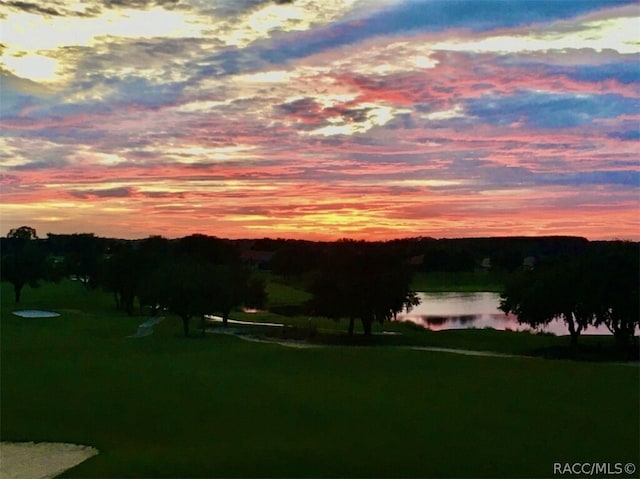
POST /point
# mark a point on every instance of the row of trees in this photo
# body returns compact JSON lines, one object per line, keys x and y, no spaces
{"x":598,"y":288}
{"x":582,"y":283}
{"x":194,"y":276}
{"x":199,"y":275}
{"x":191,"y":277}
{"x":295,"y":257}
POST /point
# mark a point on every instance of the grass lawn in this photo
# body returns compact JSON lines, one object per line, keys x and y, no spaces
{"x":166,"y":406}
{"x":463,"y":282}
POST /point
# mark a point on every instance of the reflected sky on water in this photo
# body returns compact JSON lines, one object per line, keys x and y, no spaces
{"x":438,"y":311}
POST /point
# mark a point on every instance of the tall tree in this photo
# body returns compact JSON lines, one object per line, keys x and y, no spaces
{"x":229,"y":285}
{"x":24,"y":260}
{"x":197,"y":276}
{"x":122,"y":275}
{"x":189,"y":291}
{"x":615,"y":281}
{"x":362,"y":281}
{"x":84,"y":256}
{"x":560,"y":290}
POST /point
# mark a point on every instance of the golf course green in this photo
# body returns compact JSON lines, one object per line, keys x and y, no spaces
{"x":168,"y":406}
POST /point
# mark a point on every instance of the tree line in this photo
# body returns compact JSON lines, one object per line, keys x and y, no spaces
{"x":580,"y":282}
{"x":201,"y":275}
{"x":599,"y":287}
{"x":192,"y":277}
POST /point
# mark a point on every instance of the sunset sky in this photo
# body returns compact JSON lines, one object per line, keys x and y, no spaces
{"x":372,"y":119}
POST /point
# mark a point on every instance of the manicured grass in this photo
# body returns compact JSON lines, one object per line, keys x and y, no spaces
{"x":282,"y":291}
{"x":463,"y":282}
{"x":166,"y":406}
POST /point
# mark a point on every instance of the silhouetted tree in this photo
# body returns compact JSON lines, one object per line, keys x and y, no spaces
{"x":362,"y":281}
{"x":151,"y":253}
{"x":189,"y":291}
{"x":255,"y":294}
{"x":84,"y":256}
{"x":615,"y":287}
{"x":560,"y":290}
{"x":229,"y":284}
{"x":23,"y":233}
{"x":295,"y":258}
{"x":122,"y":275}
{"x":196,"y":276}
{"x":24,"y":260}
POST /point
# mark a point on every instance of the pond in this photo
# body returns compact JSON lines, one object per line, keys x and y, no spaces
{"x":438,"y":311}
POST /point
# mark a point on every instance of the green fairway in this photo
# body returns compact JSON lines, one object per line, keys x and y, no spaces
{"x":166,"y":406}
{"x":434,"y":282}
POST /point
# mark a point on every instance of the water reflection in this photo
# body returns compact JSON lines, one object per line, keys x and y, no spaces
{"x":438,"y":311}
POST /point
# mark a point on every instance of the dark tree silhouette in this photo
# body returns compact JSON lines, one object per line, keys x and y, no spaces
{"x":23,"y":233}
{"x":151,"y":253}
{"x":600,"y":287}
{"x":84,"y":258}
{"x":122,"y":275}
{"x":189,"y":291}
{"x":24,"y":260}
{"x":552,"y":291}
{"x":362,"y":281}
{"x":229,"y":284}
{"x":255,"y":293}
{"x":615,"y":280}
{"x":196,"y":276}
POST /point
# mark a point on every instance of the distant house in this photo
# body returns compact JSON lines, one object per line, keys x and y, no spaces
{"x":485,"y":264}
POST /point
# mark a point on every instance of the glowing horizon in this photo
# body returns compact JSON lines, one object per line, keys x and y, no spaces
{"x":346,"y":118}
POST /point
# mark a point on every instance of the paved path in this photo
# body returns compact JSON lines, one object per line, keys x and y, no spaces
{"x":465,"y":352}
{"x":289,"y":343}
{"x":300,"y":344}
{"x":304,"y":345}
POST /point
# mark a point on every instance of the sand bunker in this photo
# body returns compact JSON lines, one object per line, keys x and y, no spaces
{"x":34,"y":313}
{"x":28,"y":460}
{"x":146,"y":328}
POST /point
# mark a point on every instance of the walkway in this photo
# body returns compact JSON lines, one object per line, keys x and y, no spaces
{"x":465,"y":352}
{"x":301,"y":344}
